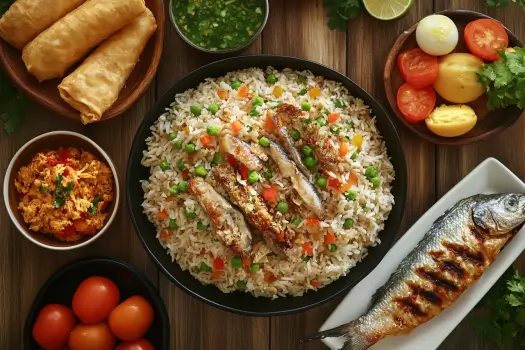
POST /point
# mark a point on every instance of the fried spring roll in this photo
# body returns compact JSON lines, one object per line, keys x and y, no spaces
{"x":25,"y":19}
{"x":95,"y":85}
{"x":67,"y":41}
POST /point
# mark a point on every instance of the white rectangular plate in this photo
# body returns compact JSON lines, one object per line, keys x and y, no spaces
{"x":489,"y":177}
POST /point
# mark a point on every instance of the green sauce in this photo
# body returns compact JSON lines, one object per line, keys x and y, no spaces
{"x":219,"y":24}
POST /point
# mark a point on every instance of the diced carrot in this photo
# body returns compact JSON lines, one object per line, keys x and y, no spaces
{"x":236,"y":126}
{"x":246,"y":261}
{"x":185,"y":174}
{"x":278,"y":91}
{"x":206,"y":140}
{"x":268,"y":123}
{"x":164,"y":235}
{"x":313,"y":221}
{"x":162,"y":215}
{"x":216,"y":275}
{"x":314,"y":92}
{"x":315,"y":284}
{"x":223,"y":94}
{"x":332,"y":117}
{"x":333,"y":182}
{"x":307,"y":249}
{"x":280,"y":237}
{"x":269,"y":277}
{"x":352,"y":181}
{"x":243,"y":169}
{"x":218,"y":264}
{"x":231,"y":159}
{"x":243,"y":91}
{"x":343,"y":149}
{"x":270,"y":193}
{"x":357,"y":140}
{"x":329,"y":238}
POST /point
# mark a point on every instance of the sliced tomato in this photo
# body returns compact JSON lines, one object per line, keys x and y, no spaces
{"x":418,"y":68}
{"x":484,"y":37}
{"x":415,"y":104}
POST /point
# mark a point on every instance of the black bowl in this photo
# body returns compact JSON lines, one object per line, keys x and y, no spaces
{"x":240,"y":302}
{"x":61,"y":286}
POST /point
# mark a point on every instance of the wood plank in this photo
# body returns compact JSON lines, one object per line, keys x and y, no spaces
{"x":194,"y":324}
{"x":453,"y":163}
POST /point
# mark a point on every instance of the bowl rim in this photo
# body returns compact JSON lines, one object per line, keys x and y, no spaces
{"x":7,"y":185}
{"x":224,"y":51}
{"x":401,"y":181}
{"x":153,"y":290}
{"x":390,"y":66}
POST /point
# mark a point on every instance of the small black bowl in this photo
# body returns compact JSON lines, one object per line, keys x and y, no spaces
{"x":61,"y":286}
{"x":240,"y":302}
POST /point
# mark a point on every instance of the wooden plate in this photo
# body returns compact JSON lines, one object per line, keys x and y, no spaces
{"x":489,"y":122}
{"x":46,"y":93}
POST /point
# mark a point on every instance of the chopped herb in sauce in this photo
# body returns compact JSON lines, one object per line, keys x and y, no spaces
{"x":62,"y":192}
{"x":44,"y":189}
{"x":94,"y":206}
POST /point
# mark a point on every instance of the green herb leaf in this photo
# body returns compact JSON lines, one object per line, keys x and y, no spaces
{"x":498,"y":3}
{"x":94,"y":205}
{"x":340,"y":11}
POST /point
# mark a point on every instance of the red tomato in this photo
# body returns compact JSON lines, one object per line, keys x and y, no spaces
{"x":131,"y":319}
{"x":418,"y":68}
{"x":94,"y":299}
{"x":484,"y":37}
{"x":91,"y":337}
{"x":53,"y":325}
{"x":415,"y":104}
{"x":141,"y":344}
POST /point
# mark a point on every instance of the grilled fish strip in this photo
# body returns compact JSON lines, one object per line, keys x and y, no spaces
{"x":253,"y":207}
{"x":453,"y":254}
{"x":324,"y":146}
{"x":241,"y":151}
{"x":300,"y":183}
{"x":228,"y":222}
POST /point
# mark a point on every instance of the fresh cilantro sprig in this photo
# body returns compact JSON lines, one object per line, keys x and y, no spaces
{"x":62,"y":192}
{"x":504,"y":80}
{"x":340,"y":11}
{"x":504,"y":324}
{"x":505,"y":3}
{"x":94,"y":205}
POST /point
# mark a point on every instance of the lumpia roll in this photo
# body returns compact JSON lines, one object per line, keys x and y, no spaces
{"x":25,"y":19}
{"x":67,"y":41}
{"x":95,"y":85}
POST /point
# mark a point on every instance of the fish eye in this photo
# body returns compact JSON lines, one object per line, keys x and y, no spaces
{"x":512,"y":203}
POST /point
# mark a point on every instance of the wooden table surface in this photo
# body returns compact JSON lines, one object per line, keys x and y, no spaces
{"x":295,"y":28}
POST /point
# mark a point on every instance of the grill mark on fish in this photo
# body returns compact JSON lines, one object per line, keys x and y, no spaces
{"x":461,"y":251}
{"x":409,"y":305}
{"x":446,"y":264}
{"x":429,"y":295}
{"x":436,"y":279}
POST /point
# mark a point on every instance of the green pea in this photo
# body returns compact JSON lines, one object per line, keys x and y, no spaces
{"x":190,"y":214}
{"x":268,"y":175}
{"x":178,"y":144}
{"x":348,"y":223}
{"x":212,"y":130}
{"x":174,"y":190}
{"x":217,"y":159}
{"x":309,"y":162}
{"x":241,"y":284}
{"x":282,"y":207}
{"x":334,"y":129}
{"x":258,"y":101}
{"x":295,"y":134}
{"x":332,"y":248}
{"x":272,"y":79}
{"x":306,"y":106}
{"x":307,"y":151}
{"x":339,"y":103}
{"x":351,"y":195}
{"x":204,"y":267}
{"x":183,"y":186}
{"x":370,"y":171}
{"x":253,"y":177}
{"x":297,"y":221}
{"x":190,"y":148}
{"x":354,"y":155}
{"x":173,"y":224}
{"x":195,"y":110}
{"x":375,"y":181}
{"x":264,"y":142}
{"x":302,"y":78}
{"x":236,"y":84}
{"x":200,"y":171}
{"x":165,"y":165}
{"x":321,"y":182}
{"x":366,"y":209}
{"x":254,"y":112}
{"x":303,"y":92}
{"x":180,"y":165}
{"x":213,"y":108}
{"x":173,"y":136}
{"x":236,"y":262}
{"x":254,"y":267}
{"x":321,"y":121}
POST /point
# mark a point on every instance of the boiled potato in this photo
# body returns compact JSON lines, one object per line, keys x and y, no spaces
{"x":451,"y":121}
{"x":457,"y":80}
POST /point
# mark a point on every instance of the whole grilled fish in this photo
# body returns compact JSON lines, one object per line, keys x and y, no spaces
{"x":452,"y":255}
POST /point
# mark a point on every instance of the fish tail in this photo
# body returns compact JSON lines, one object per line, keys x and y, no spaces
{"x":354,"y":340}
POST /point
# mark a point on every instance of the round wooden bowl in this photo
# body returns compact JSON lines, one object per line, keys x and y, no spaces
{"x":47,"y":95}
{"x":489,"y":122}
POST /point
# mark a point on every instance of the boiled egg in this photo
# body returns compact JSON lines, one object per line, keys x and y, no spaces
{"x":437,"y":35}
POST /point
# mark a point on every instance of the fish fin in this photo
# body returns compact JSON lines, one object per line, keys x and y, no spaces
{"x":353,"y":339}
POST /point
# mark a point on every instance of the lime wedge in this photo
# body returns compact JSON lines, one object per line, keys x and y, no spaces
{"x":388,"y":9}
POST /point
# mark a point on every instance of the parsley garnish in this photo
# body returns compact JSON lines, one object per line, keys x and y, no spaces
{"x":340,"y":11}
{"x":62,"y":192}
{"x":44,"y":189}
{"x":94,"y":206}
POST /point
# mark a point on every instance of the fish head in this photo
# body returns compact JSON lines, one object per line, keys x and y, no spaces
{"x":499,"y":214}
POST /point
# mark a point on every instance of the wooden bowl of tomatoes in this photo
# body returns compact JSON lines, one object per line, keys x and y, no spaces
{"x":97,"y":303}
{"x":437,"y":77}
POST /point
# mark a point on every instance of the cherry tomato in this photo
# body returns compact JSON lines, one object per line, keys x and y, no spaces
{"x":91,"y":337}
{"x":141,"y":344}
{"x":415,"y":104}
{"x":53,"y":325}
{"x":418,"y":68}
{"x":94,"y":299}
{"x":484,"y":37}
{"x":131,"y":319}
